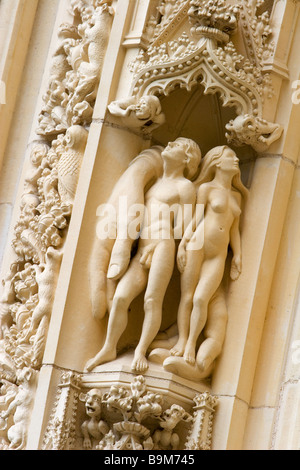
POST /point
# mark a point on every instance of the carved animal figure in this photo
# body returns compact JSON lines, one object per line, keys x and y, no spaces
{"x":97,"y":38}
{"x":67,"y":34}
{"x":166,"y":438}
{"x":250,"y":130}
{"x":69,"y":164}
{"x":21,"y":407}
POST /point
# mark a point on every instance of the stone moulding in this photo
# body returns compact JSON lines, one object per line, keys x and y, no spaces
{"x":173,"y":21}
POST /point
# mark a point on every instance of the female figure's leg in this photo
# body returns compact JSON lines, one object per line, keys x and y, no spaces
{"x":160,"y":274}
{"x":210,"y":278}
{"x":214,"y":331}
{"x":188,"y":283}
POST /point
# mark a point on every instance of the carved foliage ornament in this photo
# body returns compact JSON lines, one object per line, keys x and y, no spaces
{"x":204,"y":52}
{"x":50,"y":185}
{"x":76,"y":68}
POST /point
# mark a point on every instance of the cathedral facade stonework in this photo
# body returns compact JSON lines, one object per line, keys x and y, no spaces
{"x":149,"y":225}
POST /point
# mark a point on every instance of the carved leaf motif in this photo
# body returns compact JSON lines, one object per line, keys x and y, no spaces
{"x":148,"y":405}
{"x":119,"y":399}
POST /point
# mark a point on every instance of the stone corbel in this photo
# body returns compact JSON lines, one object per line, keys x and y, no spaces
{"x":118,"y":418}
{"x":250,"y":130}
{"x":143,"y":114}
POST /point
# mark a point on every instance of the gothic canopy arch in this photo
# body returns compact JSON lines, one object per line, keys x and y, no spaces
{"x":191,"y":42}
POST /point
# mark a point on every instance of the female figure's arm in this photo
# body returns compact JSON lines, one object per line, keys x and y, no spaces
{"x":235,"y":243}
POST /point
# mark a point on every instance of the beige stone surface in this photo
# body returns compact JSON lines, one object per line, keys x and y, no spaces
{"x":208,"y":92}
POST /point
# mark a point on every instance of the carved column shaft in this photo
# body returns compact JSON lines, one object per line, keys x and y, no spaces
{"x":200,"y":435}
{"x":60,"y":432}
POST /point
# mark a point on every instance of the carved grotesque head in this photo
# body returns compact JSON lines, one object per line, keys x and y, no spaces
{"x":93,"y":403}
{"x":148,"y":107}
{"x":173,"y":416}
{"x":76,"y":137}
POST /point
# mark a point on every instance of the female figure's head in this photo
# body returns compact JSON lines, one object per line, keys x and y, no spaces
{"x":223,"y":159}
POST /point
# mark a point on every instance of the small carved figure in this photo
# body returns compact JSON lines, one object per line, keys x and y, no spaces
{"x":94,"y":427}
{"x":46,"y":276}
{"x":20,"y":407}
{"x":145,"y":114}
{"x":254,"y":131}
{"x":96,"y":37}
{"x":67,"y":34}
{"x":7,"y":299}
{"x":52,"y":116}
{"x":69,"y":164}
{"x":221,"y":192}
{"x":166,"y":438}
{"x":153,"y":265}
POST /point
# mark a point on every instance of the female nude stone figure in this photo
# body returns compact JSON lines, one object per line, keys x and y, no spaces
{"x":221,"y":192}
{"x":153,"y":265}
